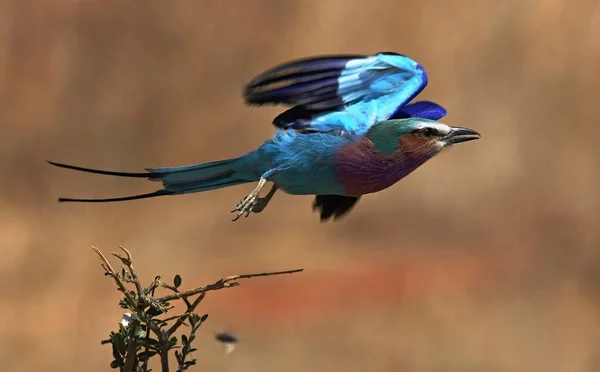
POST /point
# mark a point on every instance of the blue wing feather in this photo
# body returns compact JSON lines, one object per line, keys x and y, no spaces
{"x":340,"y":92}
{"x":421,"y":109}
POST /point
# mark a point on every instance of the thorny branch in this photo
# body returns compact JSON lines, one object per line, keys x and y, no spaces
{"x":132,"y":345}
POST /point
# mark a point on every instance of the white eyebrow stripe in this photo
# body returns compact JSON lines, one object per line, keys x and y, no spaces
{"x":442,"y":128}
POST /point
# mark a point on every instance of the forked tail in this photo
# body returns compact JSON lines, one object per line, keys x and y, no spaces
{"x":176,"y":180}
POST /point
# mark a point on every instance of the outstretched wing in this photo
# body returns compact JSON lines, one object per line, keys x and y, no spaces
{"x":342,"y":92}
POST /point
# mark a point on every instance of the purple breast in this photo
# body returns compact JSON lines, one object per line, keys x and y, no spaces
{"x":363,"y":170}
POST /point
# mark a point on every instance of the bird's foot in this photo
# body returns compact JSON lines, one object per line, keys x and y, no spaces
{"x":259,"y":205}
{"x":245,"y":206}
{"x":251,"y":203}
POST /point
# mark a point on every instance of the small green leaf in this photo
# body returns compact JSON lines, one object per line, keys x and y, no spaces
{"x":177,"y":281}
{"x":173,"y":341}
{"x":140,"y":332}
{"x":146,"y":355}
{"x":184,"y":340}
{"x":115,"y":352}
{"x":119,"y":343}
{"x":124,"y":304}
{"x":115,"y":364}
{"x":147,"y":341}
{"x":191,"y":350}
{"x":178,"y":357}
{"x":137,"y":318}
{"x":152,"y":312}
{"x":204,"y":317}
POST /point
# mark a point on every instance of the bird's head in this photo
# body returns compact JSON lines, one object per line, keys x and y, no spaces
{"x":417,"y":137}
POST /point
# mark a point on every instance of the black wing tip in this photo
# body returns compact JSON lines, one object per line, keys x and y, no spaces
{"x":294,"y":63}
{"x":393,"y":54}
{"x":253,"y":92}
{"x":297,"y":117}
{"x":333,"y":206}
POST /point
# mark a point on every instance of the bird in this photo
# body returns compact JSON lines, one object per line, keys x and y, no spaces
{"x":350,"y":131}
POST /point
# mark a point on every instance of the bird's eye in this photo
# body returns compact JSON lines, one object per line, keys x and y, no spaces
{"x":427,"y":132}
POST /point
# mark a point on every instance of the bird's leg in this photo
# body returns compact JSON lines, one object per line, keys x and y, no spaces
{"x":261,"y":203}
{"x":252,"y":202}
{"x":248,"y":203}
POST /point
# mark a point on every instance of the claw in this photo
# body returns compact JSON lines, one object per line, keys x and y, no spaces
{"x":252,"y":203}
{"x":245,"y":206}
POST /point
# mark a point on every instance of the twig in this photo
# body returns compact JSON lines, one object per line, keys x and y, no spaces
{"x":132,"y":302}
{"x":163,"y":338}
{"x":111,"y":272}
{"x":152,"y":289}
{"x":189,"y":310}
{"x":129,"y":263}
{"x":227,"y":282}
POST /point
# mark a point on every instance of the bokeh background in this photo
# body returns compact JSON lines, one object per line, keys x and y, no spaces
{"x":485,"y":259}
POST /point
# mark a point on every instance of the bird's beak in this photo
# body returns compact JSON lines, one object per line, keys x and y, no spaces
{"x":458,"y":135}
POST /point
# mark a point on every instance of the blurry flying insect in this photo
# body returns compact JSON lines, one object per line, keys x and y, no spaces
{"x":227,"y":339}
{"x":350,"y":131}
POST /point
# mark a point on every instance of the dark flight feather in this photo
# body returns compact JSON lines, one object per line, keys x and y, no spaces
{"x":335,"y":206}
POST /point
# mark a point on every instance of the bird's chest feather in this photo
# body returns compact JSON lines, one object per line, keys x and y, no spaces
{"x":363,"y":170}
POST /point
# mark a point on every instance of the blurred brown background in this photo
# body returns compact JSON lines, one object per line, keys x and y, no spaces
{"x":485,"y":259}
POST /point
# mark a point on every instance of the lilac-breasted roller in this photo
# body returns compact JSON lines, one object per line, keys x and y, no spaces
{"x":349,"y":132}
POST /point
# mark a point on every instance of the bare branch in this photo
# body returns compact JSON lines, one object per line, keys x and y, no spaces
{"x":111,"y":272}
{"x":129,"y":263}
{"x":227,"y":282}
